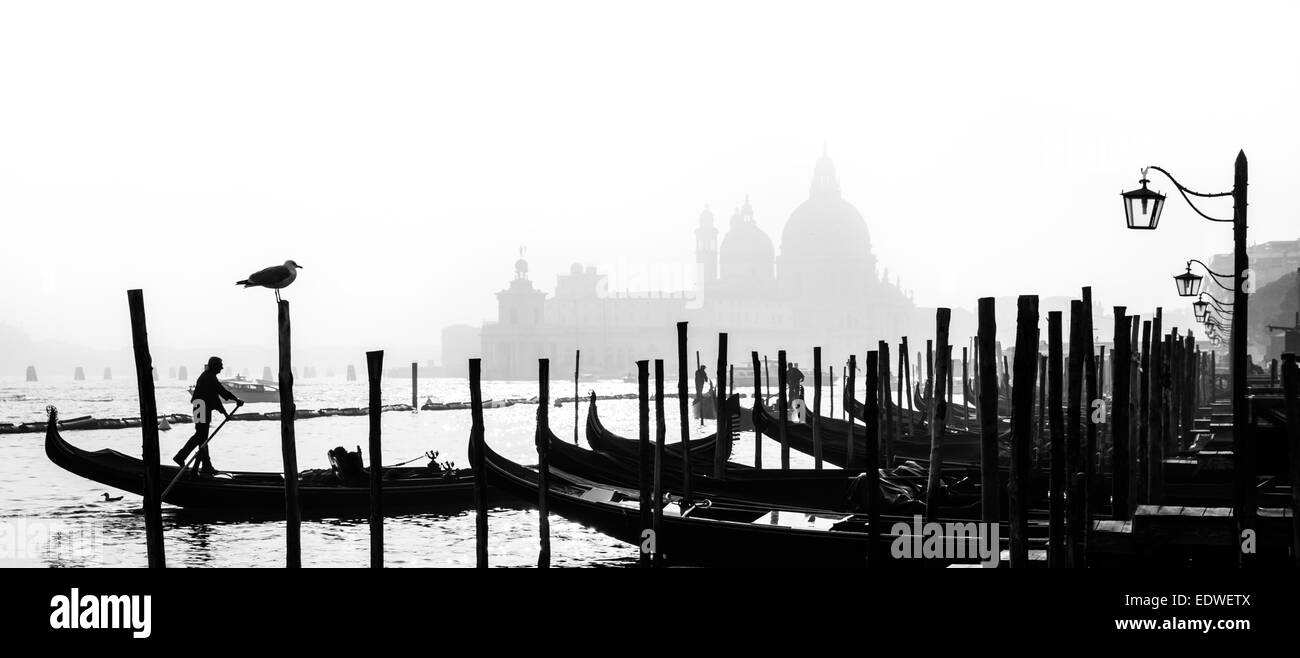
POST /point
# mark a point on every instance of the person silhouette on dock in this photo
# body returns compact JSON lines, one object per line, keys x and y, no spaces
{"x":701,"y":378}
{"x":208,"y":393}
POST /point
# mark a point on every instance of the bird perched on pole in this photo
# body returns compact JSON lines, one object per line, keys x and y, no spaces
{"x":274,"y":277}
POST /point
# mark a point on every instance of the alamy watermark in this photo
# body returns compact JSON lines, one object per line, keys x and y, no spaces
{"x":102,"y":611}
{"x":946,"y":541}
{"x":29,"y":540}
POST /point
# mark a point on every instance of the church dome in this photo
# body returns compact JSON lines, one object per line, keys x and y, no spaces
{"x":747,"y":252}
{"x":826,"y":238}
{"x":825,"y":224}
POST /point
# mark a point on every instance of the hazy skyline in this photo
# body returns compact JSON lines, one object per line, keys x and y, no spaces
{"x":402,"y":153}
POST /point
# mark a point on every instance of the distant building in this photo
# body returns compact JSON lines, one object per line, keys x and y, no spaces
{"x":821,"y":288}
{"x":460,"y":343}
{"x":1270,"y":261}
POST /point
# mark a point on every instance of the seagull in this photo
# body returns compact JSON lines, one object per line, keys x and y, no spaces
{"x":274,"y":277}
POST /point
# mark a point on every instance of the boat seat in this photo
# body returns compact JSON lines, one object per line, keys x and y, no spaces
{"x":598,"y":495}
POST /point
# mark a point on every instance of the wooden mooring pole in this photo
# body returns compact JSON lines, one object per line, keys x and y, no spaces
{"x":930,"y":393}
{"x":658,"y":494}
{"x":477,"y":458}
{"x":1040,"y":439}
{"x":938,"y":413}
{"x":782,"y":409}
{"x":577,"y":359}
{"x":817,"y":408}
{"x":758,"y":400}
{"x":902,"y":370}
{"x":415,"y":385}
{"x":148,"y":429}
{"x":542,"y":440}
{"x":375,"y":370}
{"x":1143,"y":415}
{"x":643,"y":457}
{"x":830,"y":372}
{"x":1101,"y":371}
{"x":1188,"y":399}
{"x":1155,"y":419}
{"x":1022,"y":426}
{"x":683,"y":411}
{"x":1092,"y":424}
{"x":851,"y":381}
{"x":965,"y":386}
{"x":988,"y":411}
{"x":871,"y":459}
{"x":907,"y":370}
{"x":887,"y":413}
{"x":723,"y":444}
{"x":1075,"y":516}
{"x":767,"y":380}
{"x":288,"y":445}
{"x":1056,"y":426}
{"x":1119,"y":414}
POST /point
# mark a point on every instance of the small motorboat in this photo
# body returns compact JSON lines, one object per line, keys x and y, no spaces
{"x":250,"y":391}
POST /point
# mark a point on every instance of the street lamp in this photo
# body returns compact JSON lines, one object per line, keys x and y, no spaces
{"x":1211,"y":321}
{"x":1202,"y":311}
{"x":1218,"y":303}
{"x":1142,"y":209}
{"x":1189,"y":285}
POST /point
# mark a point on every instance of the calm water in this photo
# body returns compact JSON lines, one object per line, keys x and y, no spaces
{"x":51,"y":517}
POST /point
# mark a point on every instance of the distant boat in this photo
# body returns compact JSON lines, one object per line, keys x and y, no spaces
{"x":248,"y":391}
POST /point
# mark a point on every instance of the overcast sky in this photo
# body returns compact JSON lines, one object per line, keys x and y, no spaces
{"x":402,"y":152}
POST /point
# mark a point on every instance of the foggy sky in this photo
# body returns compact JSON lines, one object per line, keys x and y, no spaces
{"x":403,"y":152}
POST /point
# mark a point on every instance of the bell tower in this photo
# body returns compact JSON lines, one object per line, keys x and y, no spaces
{"x":706,"y":250}
{"x":521,"y":305}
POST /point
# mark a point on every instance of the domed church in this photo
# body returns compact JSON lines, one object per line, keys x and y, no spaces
{"x":821,"y":287}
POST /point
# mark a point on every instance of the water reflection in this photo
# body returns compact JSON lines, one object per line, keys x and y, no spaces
{"x":34,"y":489}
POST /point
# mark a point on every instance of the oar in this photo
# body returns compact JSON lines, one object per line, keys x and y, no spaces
{"x":186,"y":467}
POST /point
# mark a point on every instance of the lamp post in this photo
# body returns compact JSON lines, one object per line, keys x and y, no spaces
{"x":1189,"y":285}
{"x":1202,"y":308}
{"x":1199,"y":309}
{"x":1142,"y":208}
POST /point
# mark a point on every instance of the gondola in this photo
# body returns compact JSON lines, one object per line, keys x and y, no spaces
{"x":699,"y":534}
{"x":320,"y":493}
{"x":918,"y":418}
{"x":707,"y":532}
{"x":960,"y":448}
{"x":702,"y":449}
{"x":902,"y":487}
{"x":616,"y":459}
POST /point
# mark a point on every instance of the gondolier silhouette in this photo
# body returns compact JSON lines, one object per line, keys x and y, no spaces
{"x":207,"y":396}
{"x":794,"y":382}
{"x":701,"y":378}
